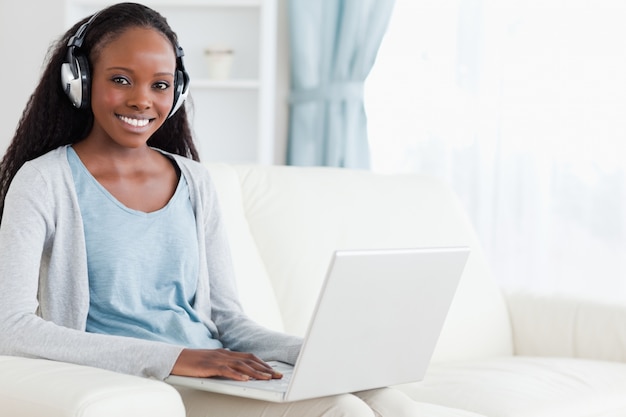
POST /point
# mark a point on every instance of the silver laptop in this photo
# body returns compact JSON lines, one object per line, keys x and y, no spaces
{"x":376,"y":323}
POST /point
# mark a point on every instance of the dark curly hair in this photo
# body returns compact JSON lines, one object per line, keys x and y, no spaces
{"x":50,"y":120}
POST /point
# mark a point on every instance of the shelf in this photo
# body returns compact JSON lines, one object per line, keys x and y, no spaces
{"x":225,"y":84}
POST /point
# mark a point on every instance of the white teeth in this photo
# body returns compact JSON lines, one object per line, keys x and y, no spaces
{"x":134,"y":122}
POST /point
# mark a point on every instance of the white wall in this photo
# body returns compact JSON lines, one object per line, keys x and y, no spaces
{"x":27,"y":28}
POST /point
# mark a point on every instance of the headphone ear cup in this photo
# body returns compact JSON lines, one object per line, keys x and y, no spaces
{"x":76,"y":80}
{"x":84,"y":75}
{"x":181,"y":88}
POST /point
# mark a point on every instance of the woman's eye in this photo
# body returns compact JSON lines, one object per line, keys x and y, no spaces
{"x":161,"y":85}
{"x":120,"y":80}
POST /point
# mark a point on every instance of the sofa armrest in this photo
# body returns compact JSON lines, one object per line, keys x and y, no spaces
{"x":35,"y":388}
{"x":567,"y":326}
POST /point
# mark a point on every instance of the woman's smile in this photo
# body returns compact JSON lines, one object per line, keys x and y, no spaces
{"x":135,"y":121}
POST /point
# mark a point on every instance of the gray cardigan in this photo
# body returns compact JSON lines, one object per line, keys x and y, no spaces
{"x":44,"y":290}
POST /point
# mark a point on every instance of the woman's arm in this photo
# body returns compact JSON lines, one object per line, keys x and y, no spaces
{"x":44,"y":295}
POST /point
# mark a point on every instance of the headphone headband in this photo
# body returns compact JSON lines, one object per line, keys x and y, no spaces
{"x":76,"y":74}
{"x":77,"y":39}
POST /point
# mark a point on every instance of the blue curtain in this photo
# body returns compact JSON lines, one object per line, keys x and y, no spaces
{"x":333,"y":48}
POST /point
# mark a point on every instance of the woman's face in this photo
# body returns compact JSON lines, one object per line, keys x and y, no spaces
{"x":132,"y":90}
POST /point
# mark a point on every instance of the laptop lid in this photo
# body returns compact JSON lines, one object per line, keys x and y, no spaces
{"x":377,"y":321}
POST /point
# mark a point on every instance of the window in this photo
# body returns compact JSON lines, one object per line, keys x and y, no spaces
{"x":521,"y":107}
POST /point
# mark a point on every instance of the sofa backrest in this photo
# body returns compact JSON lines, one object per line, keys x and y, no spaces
{"x":285,"y":222}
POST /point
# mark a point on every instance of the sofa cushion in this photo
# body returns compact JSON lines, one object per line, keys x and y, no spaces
{"x":562,"y":325}
{"x":434,"y":410}
{"x":36,"y":387}
{"x":527,"y":387}
{"x":298,"y":216}
{"x":255,"y":289}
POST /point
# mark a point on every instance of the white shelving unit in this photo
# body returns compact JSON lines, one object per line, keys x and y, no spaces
{"x":233,"y":119}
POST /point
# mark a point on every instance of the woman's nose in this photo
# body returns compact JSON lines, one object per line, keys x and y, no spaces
{"x":140,"y":98}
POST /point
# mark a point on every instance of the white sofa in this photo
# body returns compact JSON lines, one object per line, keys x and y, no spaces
{"x":499,"y":355}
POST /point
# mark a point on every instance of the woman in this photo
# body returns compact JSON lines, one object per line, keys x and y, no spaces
{"x":112,"y":249}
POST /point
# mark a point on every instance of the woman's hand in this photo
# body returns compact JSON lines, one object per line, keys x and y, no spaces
{"x":221,"y":362}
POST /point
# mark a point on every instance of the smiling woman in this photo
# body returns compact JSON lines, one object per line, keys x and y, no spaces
{"x":113,"y":252}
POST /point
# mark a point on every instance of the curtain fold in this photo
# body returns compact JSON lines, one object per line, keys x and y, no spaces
{"x":333,"y":46}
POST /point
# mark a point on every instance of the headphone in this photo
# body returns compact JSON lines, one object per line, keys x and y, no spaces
{"x":76,"y":76}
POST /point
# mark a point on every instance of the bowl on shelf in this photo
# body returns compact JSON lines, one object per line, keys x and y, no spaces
{"x":219,"y":62}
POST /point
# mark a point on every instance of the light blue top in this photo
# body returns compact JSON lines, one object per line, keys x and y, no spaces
{"x":143,"y":267}
{"x":45,"y":281}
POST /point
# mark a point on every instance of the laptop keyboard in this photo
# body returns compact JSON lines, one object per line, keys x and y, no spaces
{"x":279,"y":385}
